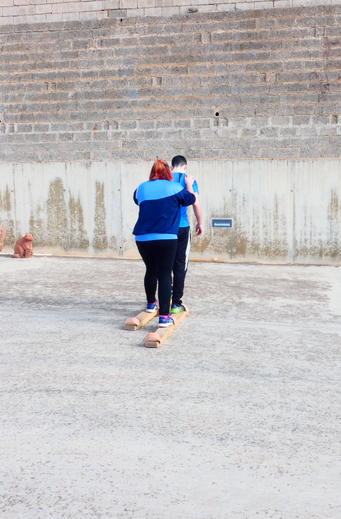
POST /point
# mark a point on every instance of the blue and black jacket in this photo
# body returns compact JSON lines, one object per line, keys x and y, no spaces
{"x":159,"y":216}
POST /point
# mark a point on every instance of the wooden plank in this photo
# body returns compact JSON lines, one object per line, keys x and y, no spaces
{"x":140,"y":320}
{"x":155,"y":339}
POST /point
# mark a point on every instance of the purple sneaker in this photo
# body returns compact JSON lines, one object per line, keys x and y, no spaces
{"x":151,"y":307}
{"x":165,"y":320}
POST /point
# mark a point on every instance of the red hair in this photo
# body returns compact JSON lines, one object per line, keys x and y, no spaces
{"x":160,"y":171}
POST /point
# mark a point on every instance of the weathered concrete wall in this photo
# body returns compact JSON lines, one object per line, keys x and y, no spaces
{"x":283,"y":210}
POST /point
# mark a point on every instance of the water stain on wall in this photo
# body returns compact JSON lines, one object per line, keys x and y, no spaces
{"x":37,"y":227}
{"x":100,"y":240}
{"x":78,"y":235}
{"x":6,"y":218}
{"x":334,"y":213}
{"x":321,"y":241}
{"x":9,"y":227}
{"x":57,"y":223}
{"x":5,"y":200}
{"x":200,"y":245}
{"x":334,"y":206}
{"x":238,"y":242}
{"x":263,"y":234}
{"x":114,"y":244}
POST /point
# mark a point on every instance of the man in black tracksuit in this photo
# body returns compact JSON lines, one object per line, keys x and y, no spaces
{"x":179,"y":170}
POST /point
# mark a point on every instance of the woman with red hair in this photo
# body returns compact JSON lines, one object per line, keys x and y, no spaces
{"x":156,"y":233}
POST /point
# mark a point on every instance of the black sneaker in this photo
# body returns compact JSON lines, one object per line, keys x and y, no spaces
{"x":176,"y":309}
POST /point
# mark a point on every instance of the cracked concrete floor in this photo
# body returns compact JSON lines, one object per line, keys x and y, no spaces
{"x":237,"y":416}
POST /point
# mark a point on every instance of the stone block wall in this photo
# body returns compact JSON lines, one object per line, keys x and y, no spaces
{"x":38,"y":11}
{"x":261,"y":85}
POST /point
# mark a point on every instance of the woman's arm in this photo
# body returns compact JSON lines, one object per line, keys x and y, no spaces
{"x":189,"y":180}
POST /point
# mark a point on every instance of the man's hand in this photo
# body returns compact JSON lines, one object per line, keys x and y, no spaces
{"x":199,"y":229}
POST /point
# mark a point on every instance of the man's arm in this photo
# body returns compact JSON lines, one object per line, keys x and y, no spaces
{"x":199,"y":228}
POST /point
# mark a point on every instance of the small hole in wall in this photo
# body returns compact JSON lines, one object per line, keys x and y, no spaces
{"x":217,"y":114}
{"x":121,"y":19}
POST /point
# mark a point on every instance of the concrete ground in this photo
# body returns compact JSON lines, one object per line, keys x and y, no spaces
{"x":237,"y":416}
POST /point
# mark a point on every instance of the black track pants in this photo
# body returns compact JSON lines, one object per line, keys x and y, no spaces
{"x":180,"y":264}
{"x":158,"y":256}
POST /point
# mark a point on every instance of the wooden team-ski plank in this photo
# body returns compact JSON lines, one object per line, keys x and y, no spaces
{"x":141,"y":319}
{"x":155,"y":339}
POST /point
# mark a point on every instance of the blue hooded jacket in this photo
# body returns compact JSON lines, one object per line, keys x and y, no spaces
{"x":159,"y":202}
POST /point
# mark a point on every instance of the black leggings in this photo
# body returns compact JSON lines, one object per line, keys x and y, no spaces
{"x":158,"y":256}
{"x":180,"y":264}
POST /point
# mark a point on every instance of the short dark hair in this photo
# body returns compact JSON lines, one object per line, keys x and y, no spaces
{"x":178,"y":160}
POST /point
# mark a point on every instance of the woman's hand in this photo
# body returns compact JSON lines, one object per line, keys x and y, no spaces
{"x":189,"y":180}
